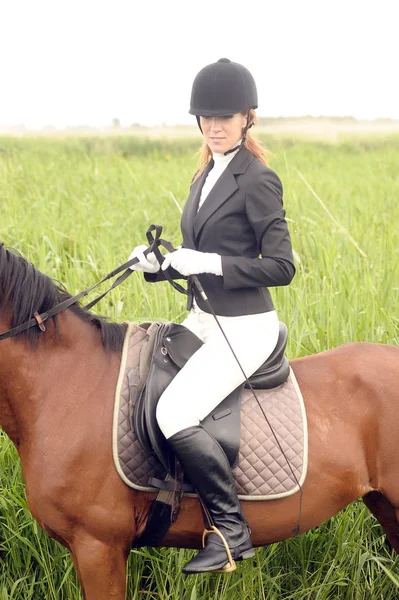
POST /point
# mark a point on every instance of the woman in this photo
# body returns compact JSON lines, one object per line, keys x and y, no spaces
{"x":236,"y":239}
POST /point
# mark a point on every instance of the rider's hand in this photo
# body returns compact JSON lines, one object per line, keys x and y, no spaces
{"x":191,"y":262}
{"x":148,"y":264}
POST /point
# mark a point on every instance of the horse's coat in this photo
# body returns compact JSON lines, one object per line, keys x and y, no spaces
{"x":56,"y":404}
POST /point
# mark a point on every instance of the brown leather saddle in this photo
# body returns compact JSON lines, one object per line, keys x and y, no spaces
{"x":174,"y":345}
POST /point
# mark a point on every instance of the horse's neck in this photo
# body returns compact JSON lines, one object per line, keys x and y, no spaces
{"x":34,"y":379}
{"x":13,"y":358}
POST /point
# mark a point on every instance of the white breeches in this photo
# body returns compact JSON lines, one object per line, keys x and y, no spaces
{"x":212,"y":373}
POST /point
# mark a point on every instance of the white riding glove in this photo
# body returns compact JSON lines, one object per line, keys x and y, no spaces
{"x":148,"y":264}
{"x":192,"y":262}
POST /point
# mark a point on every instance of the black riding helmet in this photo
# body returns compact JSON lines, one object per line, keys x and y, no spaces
{"x":223,"y":88}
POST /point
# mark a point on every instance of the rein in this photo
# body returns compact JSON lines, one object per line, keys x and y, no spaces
{"x":155,"y":241}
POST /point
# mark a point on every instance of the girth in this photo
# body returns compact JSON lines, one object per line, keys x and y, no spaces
{"x":174,"y":344}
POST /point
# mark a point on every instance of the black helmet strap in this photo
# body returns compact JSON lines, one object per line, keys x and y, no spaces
{"x":244,"y":136}
{"x":244,"y":133}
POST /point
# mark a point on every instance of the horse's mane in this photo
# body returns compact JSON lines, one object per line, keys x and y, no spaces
{"x":24,"y":290}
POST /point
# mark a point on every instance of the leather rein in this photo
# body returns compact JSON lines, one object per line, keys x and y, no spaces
{"x":155,"y":242}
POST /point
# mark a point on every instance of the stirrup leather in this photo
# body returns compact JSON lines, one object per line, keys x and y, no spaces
{"x":231,"y":565}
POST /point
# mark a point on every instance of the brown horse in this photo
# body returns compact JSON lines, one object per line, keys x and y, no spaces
{"x":56,"y":404}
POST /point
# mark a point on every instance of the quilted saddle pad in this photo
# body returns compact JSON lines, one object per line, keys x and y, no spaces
{"x":262,"y":472}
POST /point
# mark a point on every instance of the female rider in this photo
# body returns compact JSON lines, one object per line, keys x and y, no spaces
{"x":235,"y":237}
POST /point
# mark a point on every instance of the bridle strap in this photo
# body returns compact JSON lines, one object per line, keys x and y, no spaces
{"x":156,"y":241}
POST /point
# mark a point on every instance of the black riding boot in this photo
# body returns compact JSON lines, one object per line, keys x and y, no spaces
{"x":208,"y":469}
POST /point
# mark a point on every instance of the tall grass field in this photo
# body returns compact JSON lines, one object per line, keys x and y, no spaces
{"x":76,"y":207}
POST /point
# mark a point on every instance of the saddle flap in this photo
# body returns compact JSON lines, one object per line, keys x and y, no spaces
{"x":180,"y":343}
{"x":173,"y":346}
{"x":224,"y":424}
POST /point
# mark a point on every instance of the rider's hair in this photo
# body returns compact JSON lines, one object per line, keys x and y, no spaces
{"x":255,"y":147}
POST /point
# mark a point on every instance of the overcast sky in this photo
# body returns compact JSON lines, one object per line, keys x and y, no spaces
{"x":76,"y":62}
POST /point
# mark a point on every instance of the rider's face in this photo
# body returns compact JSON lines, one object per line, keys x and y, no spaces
{"x":223,"y":133}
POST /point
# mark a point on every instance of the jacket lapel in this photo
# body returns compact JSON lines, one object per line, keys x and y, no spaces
{"x":225,"y":186}
{"x":191,"y":206}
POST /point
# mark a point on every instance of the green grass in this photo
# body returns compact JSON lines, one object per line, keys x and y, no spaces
{"x":77,"y":207}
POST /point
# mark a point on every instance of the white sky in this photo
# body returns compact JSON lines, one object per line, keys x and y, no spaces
{"x":76,"y":62}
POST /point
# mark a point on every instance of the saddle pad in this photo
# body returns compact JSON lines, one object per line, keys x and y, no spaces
{"x":262,"y":472}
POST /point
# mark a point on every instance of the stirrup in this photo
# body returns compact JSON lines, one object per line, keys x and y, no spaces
{"x":231,"y":565}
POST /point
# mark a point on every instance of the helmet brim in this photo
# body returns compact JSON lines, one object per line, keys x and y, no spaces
{"x":220,"y":112}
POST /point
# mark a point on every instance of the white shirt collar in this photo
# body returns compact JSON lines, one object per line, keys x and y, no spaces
{"x":220,"y":159}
